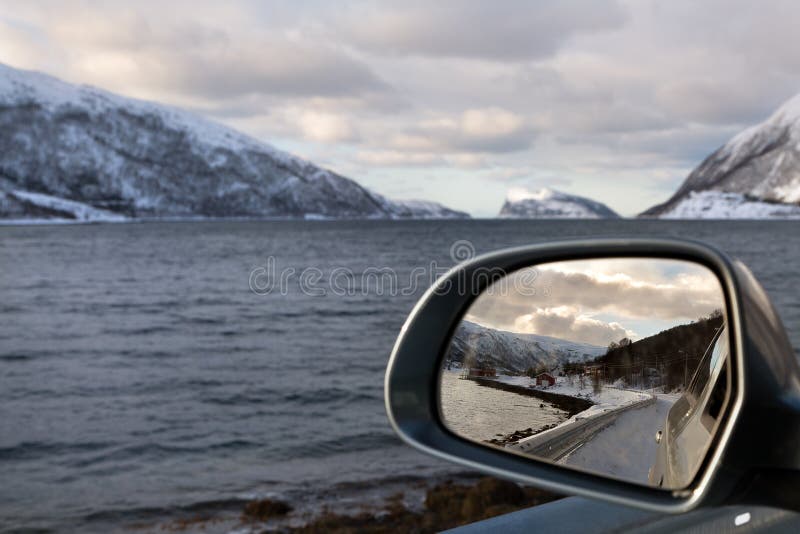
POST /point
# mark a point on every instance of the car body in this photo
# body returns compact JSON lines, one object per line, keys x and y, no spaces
{"x":693,"y":418}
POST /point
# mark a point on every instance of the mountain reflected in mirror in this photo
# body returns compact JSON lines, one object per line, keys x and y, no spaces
{"x":615,"y":366}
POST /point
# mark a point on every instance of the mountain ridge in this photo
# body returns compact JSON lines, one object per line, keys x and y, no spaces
{"x":141,"y":159}
{"x":756,"y":174}
{"x":515,"y":352}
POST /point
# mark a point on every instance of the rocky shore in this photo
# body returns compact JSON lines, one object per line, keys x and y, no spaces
{"x":445,"y":504}
{"x":571,"y":405}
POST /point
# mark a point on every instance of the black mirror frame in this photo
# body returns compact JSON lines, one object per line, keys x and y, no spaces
{"x":729,"y":472}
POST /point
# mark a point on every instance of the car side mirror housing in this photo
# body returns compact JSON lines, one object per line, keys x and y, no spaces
{"x":555,"y":365}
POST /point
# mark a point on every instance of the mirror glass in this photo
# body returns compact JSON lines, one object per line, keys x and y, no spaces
{"x":615,"y":366}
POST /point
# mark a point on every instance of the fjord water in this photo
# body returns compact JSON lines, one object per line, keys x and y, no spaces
{"x":140,"y":374}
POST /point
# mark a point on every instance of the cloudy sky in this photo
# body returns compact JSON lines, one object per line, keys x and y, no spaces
{"x":599,"y":301}
{"x":455,"y":101}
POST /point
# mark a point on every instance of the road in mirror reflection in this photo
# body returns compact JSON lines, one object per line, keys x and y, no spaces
{"x":616,"y":366}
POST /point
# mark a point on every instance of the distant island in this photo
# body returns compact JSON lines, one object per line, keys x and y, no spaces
{"x":551,"y":204}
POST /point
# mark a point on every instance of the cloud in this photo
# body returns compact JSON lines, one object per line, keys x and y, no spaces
{"x":597,"y":298}
{"x":473,"y":29}
{"x":564,"y":322}
{"x":184,"y":49}
{"x":491,"y":129}
{"x":272,"y":66}
{"x":468,"y":160}
{"x":21,"y":44}
{"x":396,"y":158}
{"x":106,"y":28}
{"x":327,"y":127}
{"x":710,"y":101}
{"x":490,"y":123}
{"x":680,"y":297}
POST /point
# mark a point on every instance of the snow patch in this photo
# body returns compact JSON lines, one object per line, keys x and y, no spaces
{"x":787,"y":115}
{"x":78,"y":210}
{"x":720,"y":205}
{"x":790,"y":192}
{"x":518,"y":194}
{"x":609,"y":398}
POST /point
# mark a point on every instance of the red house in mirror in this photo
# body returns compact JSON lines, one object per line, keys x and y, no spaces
{"x":545,"y":379}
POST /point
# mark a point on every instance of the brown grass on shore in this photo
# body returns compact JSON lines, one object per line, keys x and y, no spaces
{"x":447,"y":505}
{"x":264,"y":509}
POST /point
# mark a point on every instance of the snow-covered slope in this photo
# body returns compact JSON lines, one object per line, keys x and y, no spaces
{"x":718,"y":205}
{"x":422,"y":209}
{"x":139,"y":159}
{"x":549,"y":204}
{"x":515,"y":352}
{"x":760,"y":165}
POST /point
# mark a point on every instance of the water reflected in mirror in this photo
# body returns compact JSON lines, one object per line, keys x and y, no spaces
{"x":616,"y":366}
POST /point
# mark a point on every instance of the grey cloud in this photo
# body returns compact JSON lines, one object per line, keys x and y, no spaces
{"x":701,"y":71}
{"x":737,"y":100}
{"x":686,"y":146}
{"x":130,"y":31}
{"x":499,"y":144}
{"x":625,"y":298}
{"x":616,"y":118}
{"x":514,"y":30}
{"x":272,"y":67}
{"x":203,"y":57}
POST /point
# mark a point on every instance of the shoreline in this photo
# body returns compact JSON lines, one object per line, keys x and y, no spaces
{"x":59,"y":221}
{"x":15,"y":222}
{"x":419,"y":504}
{"x":567,"y":403}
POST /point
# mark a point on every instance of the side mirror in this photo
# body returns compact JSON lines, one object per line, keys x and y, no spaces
{"x":555,"y":365}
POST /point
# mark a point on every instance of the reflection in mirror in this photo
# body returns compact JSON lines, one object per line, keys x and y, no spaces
{"x":615,"y":366}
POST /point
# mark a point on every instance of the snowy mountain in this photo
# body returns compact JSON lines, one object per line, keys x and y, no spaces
{"x":515,"y":352}
{"x":549,"y":204}
{"x":77,"y":152}
{"x":718,"y":205}
{"x":754,"y":175}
